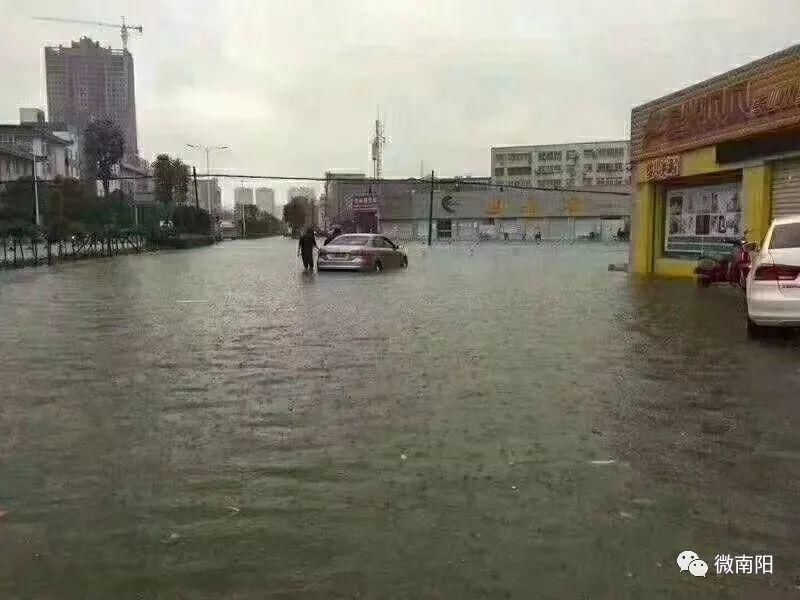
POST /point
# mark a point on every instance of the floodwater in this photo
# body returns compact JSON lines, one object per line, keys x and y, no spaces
{"x":214,"y":423}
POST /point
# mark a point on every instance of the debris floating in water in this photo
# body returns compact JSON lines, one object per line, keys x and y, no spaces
{"x":173,"y":537}
{"x":403,"y":457}
{"x":189,"y":301}
{"x":618,"y":267}
{"x":625,"y":515}
{"x":643,"y":501}
{"x":3,"y":514}
{"x":609,"y":461}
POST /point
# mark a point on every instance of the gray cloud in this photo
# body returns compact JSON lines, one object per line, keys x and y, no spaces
{"x":293,"y":87}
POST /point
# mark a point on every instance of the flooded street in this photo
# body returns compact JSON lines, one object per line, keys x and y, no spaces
{"x":508,"y":421}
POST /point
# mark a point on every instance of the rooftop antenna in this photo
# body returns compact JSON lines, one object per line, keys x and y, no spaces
{"x":378,"y":142}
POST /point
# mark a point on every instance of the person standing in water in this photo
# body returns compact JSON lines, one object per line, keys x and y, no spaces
{"x":305,"y":249}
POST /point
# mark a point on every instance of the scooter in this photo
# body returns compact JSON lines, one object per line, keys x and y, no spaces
{"x":731,"y":268}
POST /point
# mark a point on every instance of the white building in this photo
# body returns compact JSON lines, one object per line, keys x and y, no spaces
{"x":33,"y":138}
{"x":209,"y":195}
{"x":265,"y":200}
{"x":301,"y":191}
{"x":242,"y":195}
{"x":567,"y":166}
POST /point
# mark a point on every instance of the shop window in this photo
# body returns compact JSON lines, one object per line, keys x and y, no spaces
{"x":700,"y":220}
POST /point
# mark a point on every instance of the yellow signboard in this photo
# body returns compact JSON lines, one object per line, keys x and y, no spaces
{"x":495,"y":207}
{"x":574,"y":206}
{"x":531,"y":208}
{"x":662,"y":168}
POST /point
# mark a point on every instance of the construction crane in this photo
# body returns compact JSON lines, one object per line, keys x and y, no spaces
{"x":123,"y":28}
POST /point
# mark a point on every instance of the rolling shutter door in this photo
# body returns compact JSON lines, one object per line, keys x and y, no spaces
{"x":786,"y":188}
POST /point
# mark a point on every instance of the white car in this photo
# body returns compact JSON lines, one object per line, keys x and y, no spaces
{"x":773,"y":284}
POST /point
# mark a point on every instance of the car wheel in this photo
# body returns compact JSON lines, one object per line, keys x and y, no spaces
{"x":404,"y":263}
{"x":378,"y":266}
{"x":754,"y":330}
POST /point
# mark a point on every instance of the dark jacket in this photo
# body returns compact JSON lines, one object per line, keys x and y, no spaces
{"x":307,"y":243}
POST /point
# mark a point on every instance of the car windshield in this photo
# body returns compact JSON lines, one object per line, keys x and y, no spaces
{"x":349,"y":240}
{"x":786,"y":235}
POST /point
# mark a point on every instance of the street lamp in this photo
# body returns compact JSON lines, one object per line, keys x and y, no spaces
{"x":208,"y":150}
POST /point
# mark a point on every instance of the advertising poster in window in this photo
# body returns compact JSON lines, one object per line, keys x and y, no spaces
{"x":700,"y":219}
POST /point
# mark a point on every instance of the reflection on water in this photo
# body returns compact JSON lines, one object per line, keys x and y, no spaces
{"x":214,"y":423}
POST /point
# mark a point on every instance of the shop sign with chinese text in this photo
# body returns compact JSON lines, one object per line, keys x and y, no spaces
{"x":662,"y":168}
{"x":759,"y":97}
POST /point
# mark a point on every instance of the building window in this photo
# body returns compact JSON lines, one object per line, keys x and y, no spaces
{"x":500,"y":159}
{"x":548,"y":169}
{"x":519,"y":171}
{"x":549,"y":183}
{"x":609,"y":181}
{"x":609,"y":167}
{"x":499,"y":171}
{"x":588,"y":168}
{"x":589,"y":153}
{"x":611,"y":152}
{"x":572,"y":155}
{"x":550,"y":155}
{"x":698,"y":220}
{"x":588,"y":181}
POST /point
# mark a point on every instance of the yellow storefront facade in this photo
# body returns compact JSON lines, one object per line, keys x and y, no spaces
{"x":713,"y":162}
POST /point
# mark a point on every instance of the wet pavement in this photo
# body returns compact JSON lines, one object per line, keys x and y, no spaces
{"x":504,"y":421}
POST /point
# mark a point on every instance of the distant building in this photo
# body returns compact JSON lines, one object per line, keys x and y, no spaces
{"x":469,"y":209}
{"x":337,"y":186}
{"x":209,"y":195}
{"x":565,"y":166}
{"x":33,"y":140}
{"x":301,"y":191}
{"x":86,"y":82}
{"x":265,"y":200}
{"x":242,"y":195}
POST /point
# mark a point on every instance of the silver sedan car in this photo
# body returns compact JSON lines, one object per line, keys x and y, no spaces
{"x":361,"y":252}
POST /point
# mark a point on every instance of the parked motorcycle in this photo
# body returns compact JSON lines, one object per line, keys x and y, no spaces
{"x":731,"y":267}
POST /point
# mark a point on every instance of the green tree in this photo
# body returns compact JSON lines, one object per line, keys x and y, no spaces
{"x":171,"y":179}
{"x":104,"y":146}
{"x":295,"y":213}
{"x":180,"y":180}
{"x":163,"y":178}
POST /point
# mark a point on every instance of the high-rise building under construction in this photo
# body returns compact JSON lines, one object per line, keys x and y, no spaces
{"x":87,"y":82}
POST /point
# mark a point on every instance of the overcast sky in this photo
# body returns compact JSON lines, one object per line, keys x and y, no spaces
{"x":294,"y":86}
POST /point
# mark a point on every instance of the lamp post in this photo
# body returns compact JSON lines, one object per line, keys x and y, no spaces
{"x":207,"y":150}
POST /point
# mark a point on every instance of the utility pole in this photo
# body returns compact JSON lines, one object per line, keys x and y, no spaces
{"x":196,"y":196}
{"x":430,"y":213}
{"x":36,"y":193}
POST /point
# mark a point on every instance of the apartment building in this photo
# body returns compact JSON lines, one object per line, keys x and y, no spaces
{"x":265,"y":200}
{"x":562,"y":166}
